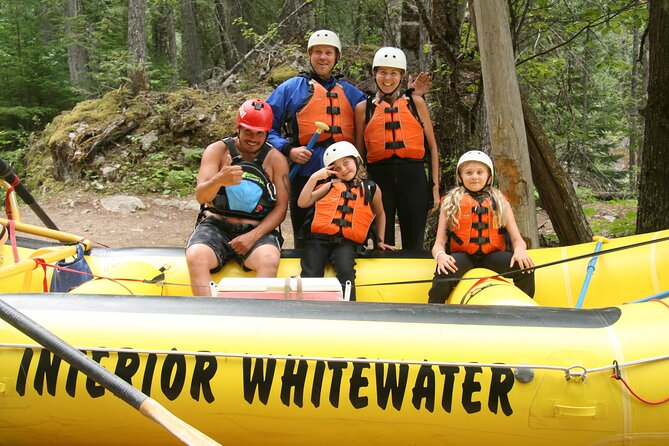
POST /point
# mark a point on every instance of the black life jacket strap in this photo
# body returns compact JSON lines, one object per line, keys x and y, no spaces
{"x":236,"y":157}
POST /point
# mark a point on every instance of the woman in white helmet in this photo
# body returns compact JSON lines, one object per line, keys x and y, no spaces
{"x":477,"y":229}
{"x":394,"y":132}
{"x":346,"y":204}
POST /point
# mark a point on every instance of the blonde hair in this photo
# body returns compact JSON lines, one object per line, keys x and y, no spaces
{"x":361,"y":172}
{"x":451,"y":206}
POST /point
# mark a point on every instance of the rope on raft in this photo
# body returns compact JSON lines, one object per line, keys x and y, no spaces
{"x":617,"y":376}
{"x":536,"y":267}
{"x":160,"y":279}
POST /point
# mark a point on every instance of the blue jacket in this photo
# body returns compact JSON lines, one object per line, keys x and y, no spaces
{"x":287,"y":99}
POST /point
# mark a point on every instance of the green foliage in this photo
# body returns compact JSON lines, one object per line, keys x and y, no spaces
{"x":367,"y":28}
{"x":33,"y":65}
{"x":161,"y":172}
{"x":579,"y":83}
{"x":621,"y":226}
{"x":13,"y":157}
{"x":585,"y":195}
{"x":589,"y":212}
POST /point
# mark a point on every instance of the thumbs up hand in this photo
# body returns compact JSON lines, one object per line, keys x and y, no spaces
{"x":229,"y":175}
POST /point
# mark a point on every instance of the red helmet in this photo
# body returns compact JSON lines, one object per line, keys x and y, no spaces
{"x":255,"y":114}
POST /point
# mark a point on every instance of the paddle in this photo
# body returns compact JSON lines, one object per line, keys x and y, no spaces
{"x":320,"y":128}
{"x":7,"y":174}
{"x":146,"y":405}
{"x":591,"y":269}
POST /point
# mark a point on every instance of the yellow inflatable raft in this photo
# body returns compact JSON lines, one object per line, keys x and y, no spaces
{"x":584,"y":363}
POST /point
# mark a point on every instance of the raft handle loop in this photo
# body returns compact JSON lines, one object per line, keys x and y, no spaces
{"x":577,"y":372}
{"x":287,"y":288}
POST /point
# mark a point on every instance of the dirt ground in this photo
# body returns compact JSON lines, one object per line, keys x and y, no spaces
{"x":166,"y":221}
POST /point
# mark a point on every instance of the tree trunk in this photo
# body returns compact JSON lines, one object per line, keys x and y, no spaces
{"x":191,"y":43}
{"x":230,"y":52}
{"x":172,"y":44}
{"x":139,"y":78}
{"x":299,"y":23}
{"x":635,"y":135}
{"x":653,"y":213}
{"x":77,"y":57}
{"x":505,"y":114}
{"x":164,"y":34}
{"x":555,"y":189}
{"x":392,"y":30}
{"x":159,"y":31}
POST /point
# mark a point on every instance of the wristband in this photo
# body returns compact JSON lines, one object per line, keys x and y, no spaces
{"x":438,"y":254}
{"x":286,"y":150}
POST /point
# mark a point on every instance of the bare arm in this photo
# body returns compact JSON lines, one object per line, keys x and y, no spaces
{"x":380,"y":219}
{"x":518,"y":245}
{"x":309,"y":196}
{"x":215,"y":172}
{"x":445,"y":262}
{"x":360,"y":112}
{"x":279,"y":177}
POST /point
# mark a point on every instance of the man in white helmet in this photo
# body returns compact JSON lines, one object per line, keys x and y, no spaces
{"x":299,"y":103}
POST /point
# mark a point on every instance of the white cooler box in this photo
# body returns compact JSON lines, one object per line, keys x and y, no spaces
{"x":298,"y":288}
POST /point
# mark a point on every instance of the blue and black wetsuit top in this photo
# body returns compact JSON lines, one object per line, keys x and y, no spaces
{"x":255,"y":196}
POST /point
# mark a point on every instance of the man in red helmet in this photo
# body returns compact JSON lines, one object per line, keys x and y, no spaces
{"x":242,"y":188}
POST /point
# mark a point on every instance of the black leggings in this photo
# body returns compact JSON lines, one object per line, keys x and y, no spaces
{"x":405,"y":193}
{"x":496,"y":261}
{"x":318,"y":252}
{"x":298,"y":215}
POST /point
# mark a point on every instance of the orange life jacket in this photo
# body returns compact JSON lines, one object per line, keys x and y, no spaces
{"x":475,"y":233}
{"x":345,"y":211}
{"x":393,"y":129}
{"x":332,"y":108}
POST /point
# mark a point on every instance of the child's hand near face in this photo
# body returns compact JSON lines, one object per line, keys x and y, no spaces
{"x":323,"y":174}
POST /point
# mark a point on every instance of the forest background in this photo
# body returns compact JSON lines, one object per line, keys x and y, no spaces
{"x":122,"y":95}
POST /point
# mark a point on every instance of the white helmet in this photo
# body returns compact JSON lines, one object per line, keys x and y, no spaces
{"x":339,"y":150}
{"x":324,"y":37}
{"x":390,"y":57}
{"x":475,"y":155}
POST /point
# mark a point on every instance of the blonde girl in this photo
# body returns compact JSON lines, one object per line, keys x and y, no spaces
{"x":477,"y":229}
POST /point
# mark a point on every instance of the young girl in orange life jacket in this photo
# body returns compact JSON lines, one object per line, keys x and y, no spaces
{"x":346,"y":204}
{"x":476,"y":227}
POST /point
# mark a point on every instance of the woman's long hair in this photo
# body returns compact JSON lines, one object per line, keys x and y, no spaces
{"x":451,"y":206}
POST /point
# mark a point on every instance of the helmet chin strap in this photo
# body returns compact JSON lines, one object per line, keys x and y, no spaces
{"x":390,"y":97}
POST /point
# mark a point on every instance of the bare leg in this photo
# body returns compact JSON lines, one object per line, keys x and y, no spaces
{"x":200,"y":259}
{"x":264,"y":260}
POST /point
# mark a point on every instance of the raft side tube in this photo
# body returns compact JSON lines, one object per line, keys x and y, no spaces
{"x":524,"y":316}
